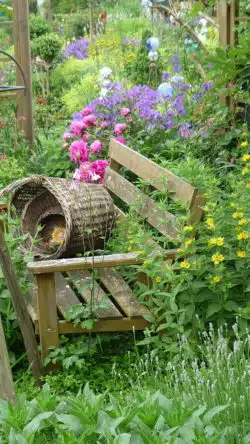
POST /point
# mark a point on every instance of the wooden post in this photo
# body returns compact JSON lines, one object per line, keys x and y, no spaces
{"x":6,"y":381}
{"x":20,"y":307}
{"x":47,"y":313}
{"x":22,"y":54}
{"x":91,"y":21}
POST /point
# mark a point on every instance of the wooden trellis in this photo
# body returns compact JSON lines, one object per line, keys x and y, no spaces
{"x":20,"y":22}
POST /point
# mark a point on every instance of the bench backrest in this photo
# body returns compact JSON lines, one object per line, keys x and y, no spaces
{"x":165,"y":222}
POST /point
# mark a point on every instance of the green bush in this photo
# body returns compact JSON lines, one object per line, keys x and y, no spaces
{"x":38,"y":26}
{"x":81,"y":94}
{"x":47,"y":47}
{"x":72,"y":71}
{"x":10,"y":170}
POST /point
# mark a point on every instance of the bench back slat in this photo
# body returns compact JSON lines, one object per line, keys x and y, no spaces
{"x":148,"y":170}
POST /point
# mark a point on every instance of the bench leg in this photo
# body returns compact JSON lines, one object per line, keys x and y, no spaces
{"x":47,"y":313}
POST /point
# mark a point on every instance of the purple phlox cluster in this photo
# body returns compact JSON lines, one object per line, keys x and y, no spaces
{"x":166,"y":75}
{"x":178,"y":105}
{"x":185,"y":130}
{"x":177,"y":68}
{"x":77,"y":49}
{"x":175,"y":59}
{"x":131,"y":42}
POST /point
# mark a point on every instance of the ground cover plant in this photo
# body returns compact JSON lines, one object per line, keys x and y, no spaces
{"x":145,"y":81}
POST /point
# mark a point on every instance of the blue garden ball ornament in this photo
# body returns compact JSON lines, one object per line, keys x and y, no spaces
{"x":166,"y":89}
{"x":153,"y":44}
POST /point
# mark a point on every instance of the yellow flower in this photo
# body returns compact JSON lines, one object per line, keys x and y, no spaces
{"x":241,"y":253}
{"x":210,"y":222}
{"x":132,"y":242}
{"x":129,"y":248}
{"x":180,"y":250}
{"x":185,"y":264}
{"x":145,"y":262}
{"x":242,"y":222}
{"x":238,"y":215}
{"x":216,"y":241}
{"x":188,"y":228}
{"x":58,"y":235}
{"x":244,"y":144}
{"x":243,"y":235}
{"x":248,"y":185}
{"x":246,"y":157}
{"x":217,"y":258}
{"x":158,"y":279}
{"x":217,"y":279}
{"x":138,"y":252}
{"x":233,"y":205}
{"x":245,"y":171}
{"x":188,"y":243}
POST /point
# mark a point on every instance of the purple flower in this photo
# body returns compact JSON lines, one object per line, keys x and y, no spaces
{"x":177,"y":68}
{"x":209,"y":65}
{"x":207,"y":86}
{"x":77,"y":49}
{"x":170,"y":113}
{"x":185,"y":87}
{"x":166,"y":76}
{"x":185,"y":130}
{"x":181,"y":111}
{"x":197,"y":95}
{"x":175,"y":59}
{"x":168,"y":124}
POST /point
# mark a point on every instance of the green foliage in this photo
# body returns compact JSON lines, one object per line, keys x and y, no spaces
{"x":80,"y":25}
{"x":38,"y":26}
{"x":65,"y":76}
{"x":129,"y":27}
{"x":81,"y":94}
{"x":141,"y":71}
{"x":47,"y":47}
{"x":33,"y":6}
{"x":9,"y":171}
{"x":66,"y":6}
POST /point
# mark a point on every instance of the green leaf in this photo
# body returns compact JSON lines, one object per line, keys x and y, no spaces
{"x":207,"y":418}
{"x":88,"y":324}
{"x":231,"y":306}
{"x":213,"y":308}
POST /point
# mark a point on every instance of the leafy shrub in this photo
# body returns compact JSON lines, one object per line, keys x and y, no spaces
{"x":80,"y":26}
{"x":47,"y":47}
{"x":70,"y":72}
{"x":10,"y":170}
{"x":38,"y":26}
{"x":81,"y":94}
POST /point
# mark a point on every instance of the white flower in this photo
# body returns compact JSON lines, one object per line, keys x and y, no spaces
{"x":177,"y":81}
{"x":153,"y":56}
{"x":105,"y":73}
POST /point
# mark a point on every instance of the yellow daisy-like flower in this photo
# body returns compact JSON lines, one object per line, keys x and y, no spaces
{"x":219,"y":241}
{"x":185,"y":264}
{"x":244,"y":144}
{"x":145,"y":262}
{"x":188,"y":243}
{"x":242,"y":222}
{"x":58,"y":235}
{"x":238,"y":215}
{"x":217,"y":258}
{"x":180,"y":250}
{"x":217,"y":279}
{"x":241,"y":253}
{"x":210,"y":222}
{"x":243,"y":235}
{"x":245,"y":171}
{"x":158,"y":279}
{"x":129,"y":248}
{"x":246,"y":157}
{"x":188,"y":228}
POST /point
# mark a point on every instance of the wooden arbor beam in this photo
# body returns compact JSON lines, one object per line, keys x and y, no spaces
{"x":6,"y":381}
{"x":22,"y":54}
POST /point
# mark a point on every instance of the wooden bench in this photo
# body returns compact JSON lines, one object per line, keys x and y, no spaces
{"x":62,"y":283}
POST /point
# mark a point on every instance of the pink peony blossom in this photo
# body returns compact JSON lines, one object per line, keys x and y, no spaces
{"x":78,"y":127}
{"x":98,"y":167}
{"x":119,"y":128}
{"x":86,"y":111}
{"x":89,"y":120}
{"x":67,"y":136}
{"x":121,"y":140}
{"x":85,"y":137}
{"x":103,"y":124}
{"x":78,"y":151}
{"x":96,"y":146}
{"x":125,"y":111}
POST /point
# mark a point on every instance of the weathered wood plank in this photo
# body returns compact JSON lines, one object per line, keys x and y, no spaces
{"x":20,"y":307}
{"x":105,"y":325}
{"x":84,"y":263}
{"x":163,"y":221}
{"x":65,"y":296}
{"x":148,"y":170}
{"x":83,"y":277}
{"x":6,"y":381}
{"x":122,"y":293}
{"x":46,"y":302}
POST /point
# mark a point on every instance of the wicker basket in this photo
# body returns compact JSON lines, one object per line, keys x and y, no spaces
{"x":84,"y":213}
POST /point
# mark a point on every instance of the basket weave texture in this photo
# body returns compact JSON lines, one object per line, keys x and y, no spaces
{"x":85,"y":212}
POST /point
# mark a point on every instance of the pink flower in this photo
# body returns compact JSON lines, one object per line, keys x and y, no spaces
{"x":130,"y":120}
{"x":121,"y":140}
{"x":230,"y":85}
{"x":67,"y":136}
{"x":83,"y":174}
{"x":96,"y":146}
{"x":3,"y":156}
{"x":232,"y":161}
{"x":85,"y":137}
{"x":78,"y":127}
{"x":89,"y":120}
{"x":119,"y":128}
{"x":125,"y":111}
{"x":78,"y":151}
{"x":104,"y":124}
{"x":86,"y":111}
{"x":99,"y":167}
